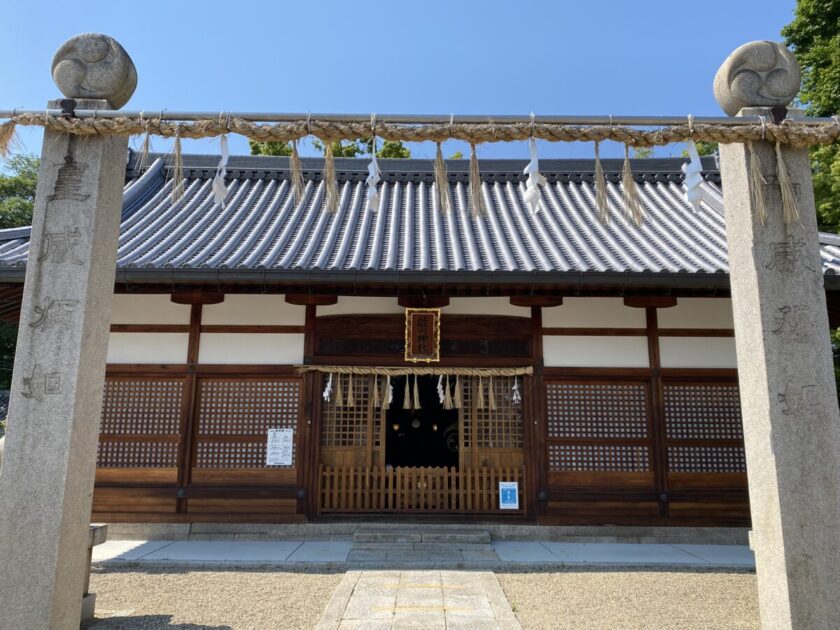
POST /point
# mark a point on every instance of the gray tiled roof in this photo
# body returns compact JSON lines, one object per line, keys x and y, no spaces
{"x":263,"y":229}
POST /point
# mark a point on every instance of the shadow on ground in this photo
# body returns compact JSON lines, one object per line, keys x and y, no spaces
{"x":145,"y":622}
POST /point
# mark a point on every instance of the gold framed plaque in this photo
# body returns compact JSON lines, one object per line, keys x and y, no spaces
{"x":422,"y":335}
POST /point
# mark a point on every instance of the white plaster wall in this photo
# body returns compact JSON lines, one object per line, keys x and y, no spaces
{"x":697,"y":352}
{"x":593,"y":313}
{"x":147,"y":347}
{"x":351,"y":305}
{"x":246,"y":348}
{"x":484,"y":306}
{"x":271,"y":310}
{"x":148,"y":309}
{"x":589,"y":351}
{"x":697,"y":313}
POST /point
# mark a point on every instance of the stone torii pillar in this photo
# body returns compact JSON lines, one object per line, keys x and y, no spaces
{"x":46,"y":482}
{"x":788,"y":396}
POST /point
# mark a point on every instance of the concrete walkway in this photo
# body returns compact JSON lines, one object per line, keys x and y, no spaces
{"x":380,"y":600}
{"x":492,"y":556}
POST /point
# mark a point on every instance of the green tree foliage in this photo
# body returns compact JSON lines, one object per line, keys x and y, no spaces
{"x":8,"y":341}
{"x":17,"y":191}
{"x":642,"y":152}
{"x":703,"y":148}
{"x":458,"y":155}
{"x":270,"y":148}
{"x":814,"y":35}
{"x":358,"y":148}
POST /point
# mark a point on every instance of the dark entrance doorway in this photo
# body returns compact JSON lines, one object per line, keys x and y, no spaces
{"x":427,"y":436}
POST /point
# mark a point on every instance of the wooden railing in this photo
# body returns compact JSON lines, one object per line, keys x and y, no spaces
{"x":379,"y":489}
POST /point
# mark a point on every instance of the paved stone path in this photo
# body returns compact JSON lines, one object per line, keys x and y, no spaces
{"x":450,"y":600}
{"x":345,"y":554}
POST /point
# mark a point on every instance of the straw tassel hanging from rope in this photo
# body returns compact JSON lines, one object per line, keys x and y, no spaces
{"x":789,"y":207}
{"x":632,"y":203}
{"x":351,"y":399}
{"x":296,"y":172}
{"x":477,"y":206}
{"x":330,"y":182}
{"x":757,"y":184}
{"x":479,"y":403}
{"x":447,"y":396}
{"x":177,"y":170}
{"x":7,"y":137}
{"x":407,"y":394}
{"x":339,"y":394}
{"x":441,"y":182}
{"x":601,"y":201}
{"x":145,"y":147}
{"x":459,"y":399}
{"x":375,"y":391}
{"x":416,"y":394}
{"x":491,"y":396}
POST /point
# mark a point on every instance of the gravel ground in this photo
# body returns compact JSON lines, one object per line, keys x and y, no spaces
{"x":189,"y":599}
{"x":589,"y":599}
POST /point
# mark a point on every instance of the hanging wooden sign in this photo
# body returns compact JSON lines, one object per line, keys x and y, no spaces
{"x":422,"y":335}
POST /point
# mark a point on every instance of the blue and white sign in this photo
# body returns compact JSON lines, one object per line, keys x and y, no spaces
{"x":508,"y":495}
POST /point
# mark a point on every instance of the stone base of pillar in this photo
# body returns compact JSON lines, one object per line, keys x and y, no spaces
{"x":88,"y":607}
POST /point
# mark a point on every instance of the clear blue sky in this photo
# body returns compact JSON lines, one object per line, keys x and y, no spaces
{"x":561,"y":57}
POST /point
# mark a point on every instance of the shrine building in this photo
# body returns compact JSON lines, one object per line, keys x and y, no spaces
{"x":273,"y":362}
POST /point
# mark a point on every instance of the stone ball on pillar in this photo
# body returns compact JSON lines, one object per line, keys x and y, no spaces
{"x":757,"y":74}
{"x":94,"y":66}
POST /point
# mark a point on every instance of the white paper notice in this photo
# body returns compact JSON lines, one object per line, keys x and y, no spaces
{"x":278,"y":447}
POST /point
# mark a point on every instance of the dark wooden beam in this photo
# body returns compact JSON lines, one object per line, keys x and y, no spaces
{"x":536,"y":300}
{"x":650,"y":301}
{"x":307,"y":299}
{"x":198,"y":297}
{"x":423,"y":301}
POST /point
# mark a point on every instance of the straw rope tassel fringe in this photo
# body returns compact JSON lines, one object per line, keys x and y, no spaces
{"x":757,"y":184}
{"x":447,"y":396}
{"x":375,"y":390}
{"x":407,"y":394}
{"x":601,"y":202}
{"x":632,"y":203}
{"x":329,"y":179}
{"x":459,"y":400}
{"x":480,"y":400}
{"x":416,"y":394}
{"x":145,"y":149}
{"x":177,"y":170}
{"x":339,"y":394}
{"x":477,"y":206}
{"x":296,"y":172}
{"x":491,"y":396}
{"x":441,"y":183}
{"x":7,"y":137}
{"x":351,"y":399}
{"x":789,"y":207}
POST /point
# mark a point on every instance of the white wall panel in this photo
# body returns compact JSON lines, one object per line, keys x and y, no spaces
{"x":697,"y":352}
{"x":245,"y":348}
{"x":147,"y":347}
{"x":589,"y":351}
{"x":270,"y":310}
{"x":593,"y":313}
{"x":697,"y":313}
{"x":351,"y":305}
{"x":484,"y":306}
{"x":148,"y":309}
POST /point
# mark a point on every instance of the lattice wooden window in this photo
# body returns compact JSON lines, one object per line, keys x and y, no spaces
{"x":710,"y":412}
{"x":146,"y":415}
{"x":142,"y":407}
{"x":706,"y":459}
{"x":247,"y":407}
{"x":234,"y":415}
{"x":609,"y":410}
{"x":500,"y":427}
{"x":137,"y":454}
{"x":598,"y":458}
{"x":234,"y":455}
{"x":347,"y":425}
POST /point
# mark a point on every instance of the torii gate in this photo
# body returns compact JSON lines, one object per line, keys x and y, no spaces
{"x":790,"y":410}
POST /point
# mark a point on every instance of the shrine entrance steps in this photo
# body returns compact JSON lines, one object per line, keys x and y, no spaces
{"x":422,"y":535}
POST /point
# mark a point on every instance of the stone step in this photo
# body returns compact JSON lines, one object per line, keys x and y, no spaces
{"x":436,"y":536}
